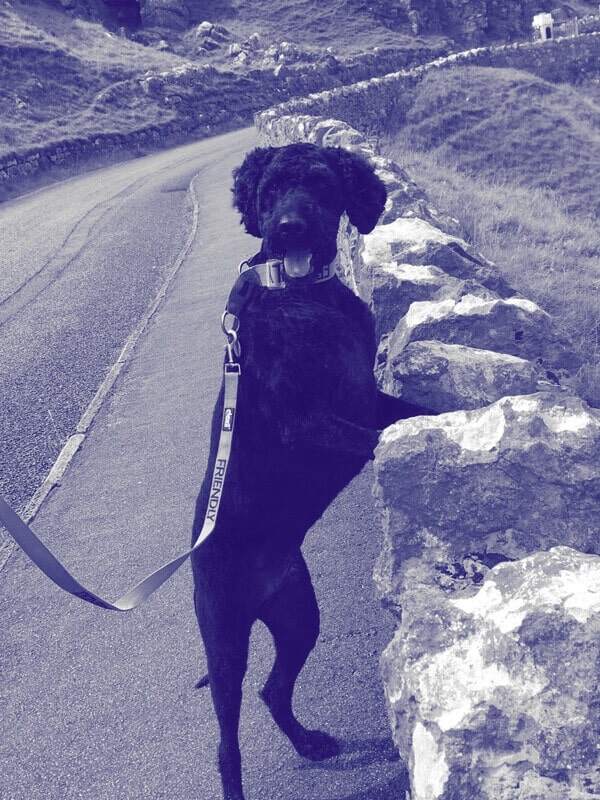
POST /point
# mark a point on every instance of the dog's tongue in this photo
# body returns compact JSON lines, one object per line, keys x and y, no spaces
{"x":297,"y":262}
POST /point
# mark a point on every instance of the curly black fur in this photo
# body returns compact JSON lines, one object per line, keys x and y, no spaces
{"x":306,"y":425}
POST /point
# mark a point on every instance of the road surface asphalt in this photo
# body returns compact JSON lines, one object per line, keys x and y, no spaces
{"x":96,"y":704}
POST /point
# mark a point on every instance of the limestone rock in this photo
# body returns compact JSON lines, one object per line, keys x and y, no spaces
{"x":209,"y":44}
{"x":253,"y":41}
{"x":513,"y":325}
{"x":492,"y":693}
{"x":519,"y":475}
{"x":504,"y":703}
{"x":346,"y":260}
{"x":406,"y":199}
{"x":281,"y":71}
{"x":218,"y":37}
{"x":393,"y":287}
{"x":450,"y":377}
{"x":416,"y":241}
{"x":204,"y":28}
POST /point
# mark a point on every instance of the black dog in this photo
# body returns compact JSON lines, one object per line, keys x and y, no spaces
{"x":307,"y":422}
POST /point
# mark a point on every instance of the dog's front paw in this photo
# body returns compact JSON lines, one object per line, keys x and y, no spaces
{"x":316,"y":745}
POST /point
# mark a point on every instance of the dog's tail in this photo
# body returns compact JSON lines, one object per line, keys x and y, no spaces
{"x":202,"y":682}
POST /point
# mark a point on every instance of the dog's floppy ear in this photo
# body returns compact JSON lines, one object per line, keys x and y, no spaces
{"x":364,"y":192}
{"x":245,"y":185}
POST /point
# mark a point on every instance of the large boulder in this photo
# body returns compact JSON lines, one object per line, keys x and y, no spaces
{"x":503,"y":703}
{"x":495,"y":483}
{"x":512,"y":325}
{"x":392,"y":287}
{"x":491,"y":678}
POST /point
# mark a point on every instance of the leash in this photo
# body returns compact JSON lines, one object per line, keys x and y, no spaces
{"x":269,"y":274}
{"x":52,"y":567}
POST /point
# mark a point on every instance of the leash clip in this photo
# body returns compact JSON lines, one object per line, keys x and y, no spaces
{"x":233,"y":348}
{"x":231,"y":332}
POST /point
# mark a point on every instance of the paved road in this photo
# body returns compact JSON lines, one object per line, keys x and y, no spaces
{"x":79,"y":263}
{"x":101,"y":705}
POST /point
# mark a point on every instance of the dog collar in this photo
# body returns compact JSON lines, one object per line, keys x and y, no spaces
{"x":271,"y":273}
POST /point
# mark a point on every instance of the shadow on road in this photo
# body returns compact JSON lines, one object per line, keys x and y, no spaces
{"x":361,"y":753}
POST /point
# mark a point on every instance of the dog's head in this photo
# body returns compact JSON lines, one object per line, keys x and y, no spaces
{"x":293,"y":197}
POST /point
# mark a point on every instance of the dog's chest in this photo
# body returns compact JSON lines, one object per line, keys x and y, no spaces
{"x":306,"y":347}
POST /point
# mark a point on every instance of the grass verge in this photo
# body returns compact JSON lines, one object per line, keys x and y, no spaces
{"x":517,"y":160}
{"x":544,"y":250}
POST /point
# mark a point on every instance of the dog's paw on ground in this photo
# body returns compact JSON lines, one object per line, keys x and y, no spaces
{"x":316,"y":745}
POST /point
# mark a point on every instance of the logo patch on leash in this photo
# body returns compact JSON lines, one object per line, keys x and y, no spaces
{"x":228,"y":419}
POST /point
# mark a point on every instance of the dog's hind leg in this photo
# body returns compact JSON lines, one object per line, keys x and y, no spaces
{"x":226,"y":637}
{"x":292,"y":616}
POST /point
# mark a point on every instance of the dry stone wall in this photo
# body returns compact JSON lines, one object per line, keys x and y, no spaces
{"x":489,"y":509}
{"x":379,"y":105}
{"x":36,"y":165}
{"x":201,"y":101}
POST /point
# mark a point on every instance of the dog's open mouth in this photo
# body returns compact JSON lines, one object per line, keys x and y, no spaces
{"x":297,"y":262}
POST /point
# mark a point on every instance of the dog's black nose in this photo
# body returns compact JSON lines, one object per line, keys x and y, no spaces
{"x":291,"y":227}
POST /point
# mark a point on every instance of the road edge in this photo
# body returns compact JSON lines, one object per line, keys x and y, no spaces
{"x":76,"y":439}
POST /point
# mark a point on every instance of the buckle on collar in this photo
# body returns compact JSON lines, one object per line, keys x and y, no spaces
{"x":274,"y":273}
{"x":271,"y":273}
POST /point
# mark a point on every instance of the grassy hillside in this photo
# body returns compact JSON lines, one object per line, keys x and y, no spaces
{"x":517,"y":161}
{"x":57,"y":67}
{"x":512,"y":126}
{"x":63,"y":73}
{"x":346,"y":26}
{"x":52,"y":69}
